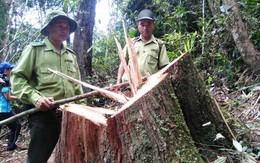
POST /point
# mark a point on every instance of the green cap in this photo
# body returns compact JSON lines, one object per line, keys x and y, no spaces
{"x":58,"y":14}
{"x":145,"y":14}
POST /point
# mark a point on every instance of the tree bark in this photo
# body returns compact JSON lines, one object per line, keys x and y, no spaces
{"x":249,"y":54}
{"x":83,"y":36}
{"x":4,"y":15}
{"x":214,"y":6}
{"x":239,"y":32}
{"x":152,"y":130}
{"x":199,"y":107}
{"x":165,"y":125}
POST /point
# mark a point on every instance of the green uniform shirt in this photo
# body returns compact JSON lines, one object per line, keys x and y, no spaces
{"x":150,"y":56}
{"x":32,"y":80}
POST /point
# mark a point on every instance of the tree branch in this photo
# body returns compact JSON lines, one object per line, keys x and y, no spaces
{"x":61,"y":102}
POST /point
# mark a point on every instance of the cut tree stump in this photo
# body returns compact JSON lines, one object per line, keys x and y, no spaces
{"x":163,"y":125}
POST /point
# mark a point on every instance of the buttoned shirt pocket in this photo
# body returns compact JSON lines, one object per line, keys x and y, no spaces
{"x":71,"y":70}
{"x":47,"y":77}
{"x":152,"y":57}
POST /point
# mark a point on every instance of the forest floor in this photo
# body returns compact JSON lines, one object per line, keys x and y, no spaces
{"x":242,"y":103}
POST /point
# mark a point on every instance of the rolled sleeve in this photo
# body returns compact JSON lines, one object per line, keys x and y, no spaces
{"x":164,"y":59}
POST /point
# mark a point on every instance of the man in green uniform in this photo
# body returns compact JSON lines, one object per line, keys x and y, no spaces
{"x":151,"y":52}
{"x":37,"y":87}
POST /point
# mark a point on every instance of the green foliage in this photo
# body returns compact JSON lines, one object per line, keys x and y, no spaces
{"x":105,"y":58}
{"x":23,"y":32}
{"x":45,"y":5}
{"x":3,"y":21}
{"x":178,"y":43}
{"x":251,"y":16}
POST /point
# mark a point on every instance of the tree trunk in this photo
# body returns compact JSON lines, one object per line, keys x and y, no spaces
{"x":198,"y":106}
{"x":239,"y":32}
{"x":151,"y":130}
{"x":4,"y":15}
{"x":83,"y":36}
{"x":214,"y":6}
{"x":237,"y":28}
{"x":162,"y":126}
{"x":8,"y":28}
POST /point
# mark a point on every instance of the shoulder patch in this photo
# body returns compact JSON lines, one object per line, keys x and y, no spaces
{"x":160,"y":42}
{"x":37,"y":43}
{"x":135,"y":39}
{"x":70,"y":50}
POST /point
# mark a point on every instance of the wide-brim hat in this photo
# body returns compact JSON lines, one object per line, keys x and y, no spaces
{"x":55,"y":15}
{"x":145,"y":14}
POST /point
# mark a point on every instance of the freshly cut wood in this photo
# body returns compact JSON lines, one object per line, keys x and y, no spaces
{"x":57,"y":103}
{"x":110,"y":94}
{"x":143,"y":91}
{"x":127,"y":72}
{"x":150,"y":127}
{"x":98,"y":110}
{"x":152,"y":82}
{"x":95,"y":115}
{"x":133,"y":63}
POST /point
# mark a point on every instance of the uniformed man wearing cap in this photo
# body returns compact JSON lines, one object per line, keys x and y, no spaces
{"x":37,"y":87}
{"x":151,"y":52}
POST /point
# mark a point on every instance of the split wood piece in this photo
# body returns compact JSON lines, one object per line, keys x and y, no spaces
{"x":110,"y":94}
{"x":94,"y":114}
{"x":133,"y":63}
{"x":152,"y":82}
{"x":123,"y":61}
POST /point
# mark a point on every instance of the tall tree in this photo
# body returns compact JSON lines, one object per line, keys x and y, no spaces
{"x":240,"y":35}
{"x":8,"y":27}
{"x":237,"y":28}
{"x":83,"y":36}
{"x":3,"y":21}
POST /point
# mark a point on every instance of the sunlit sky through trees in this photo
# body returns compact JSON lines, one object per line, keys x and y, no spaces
{"x":102,"y":16}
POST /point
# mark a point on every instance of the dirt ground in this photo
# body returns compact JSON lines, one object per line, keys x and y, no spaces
{"x":18,"y":155}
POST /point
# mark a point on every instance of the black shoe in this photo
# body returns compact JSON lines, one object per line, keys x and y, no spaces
{"x":11,"y":148}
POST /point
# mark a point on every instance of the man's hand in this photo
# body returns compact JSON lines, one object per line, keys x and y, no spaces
{"x":45,"y":103}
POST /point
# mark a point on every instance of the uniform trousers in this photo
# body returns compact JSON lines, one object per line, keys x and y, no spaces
{"x":45,"y":127}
